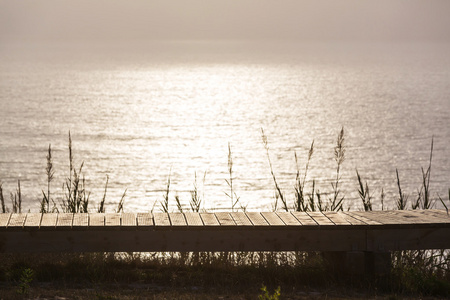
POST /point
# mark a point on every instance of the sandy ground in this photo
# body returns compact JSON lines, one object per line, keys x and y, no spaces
{"x":147,"y":291}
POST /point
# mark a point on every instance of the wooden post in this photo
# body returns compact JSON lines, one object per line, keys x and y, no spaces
{"x":362,"y":263}
{"x":378,"y":263}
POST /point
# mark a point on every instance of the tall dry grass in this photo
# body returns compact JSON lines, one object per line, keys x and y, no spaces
{"x":413,"y":271}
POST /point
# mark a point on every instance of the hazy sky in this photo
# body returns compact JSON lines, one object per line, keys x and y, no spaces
{"x":225,"y":19}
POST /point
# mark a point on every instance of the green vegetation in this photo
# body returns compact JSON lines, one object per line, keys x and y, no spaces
{"x":201,"y":275}
{"x":25,"y":279}
{"x":266,"y":296}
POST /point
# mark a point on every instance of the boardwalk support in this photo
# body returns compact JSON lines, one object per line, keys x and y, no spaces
{"x":358,"y":262}
{"x":355,"y":242}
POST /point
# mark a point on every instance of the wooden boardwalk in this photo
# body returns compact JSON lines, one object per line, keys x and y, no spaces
{"x":382,"y":231}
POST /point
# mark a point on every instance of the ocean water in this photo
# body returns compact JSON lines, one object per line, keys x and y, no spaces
{"x":143,"y":113}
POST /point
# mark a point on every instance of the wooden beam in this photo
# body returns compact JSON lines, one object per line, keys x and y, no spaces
{"x":378,"y":232}
{"x":251,"y":239}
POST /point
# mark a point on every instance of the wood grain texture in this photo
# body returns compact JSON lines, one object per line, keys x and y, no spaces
{"x":49,"y":221}
{"x":436,"y":216}
{"x":4,"y":220}
{"x":97,"y":220}
{"x":273,"y":219}
{"x":225,"y":219}
{"x":145,"y":219}
{"x":128,"y":219}
{"x":177,"y":219}
{"x":209,"y":219}
{"x":64,"y":220}
{"x":257,"y":219}
{"x":193,"y":219}
{"x":17,"y":220}
{"x":288,"y":219}
{"x":241,"y":219}
{"x":33,"y":220}
{"x":363,"y":218}
{"x":80,"y":221}
{"x":336,"y":218}
{"x":320,"y":218}
{"x":438,"y":213}
{"x":304,"y":218}
{"x":352,"y":220}
{"x":161,"y":219}
{"x":112,"y":220}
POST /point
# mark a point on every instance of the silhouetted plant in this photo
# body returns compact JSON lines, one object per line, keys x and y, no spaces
{"x":424,"y":200}
{"x":76,"y":197}
{"x":300,"y":203}
{"x":121,"y":201}
{"x":339,"y":157}
{"x":382,"y":197}
{"x":364,"y":193}
{"x":402,"y":198}
{"x":2,"y":200}
{"x":278,"y":192}
{"x":443,"y":202}
{"x":45,"y":203}
{"x":178,"y":202}
{"x":196,"y":199}
{"x":232,"y":194}
{"x":101,"y":207}
{"x":16,"y":199}
{"x":165,"y":202}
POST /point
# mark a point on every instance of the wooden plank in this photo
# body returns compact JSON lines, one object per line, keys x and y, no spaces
{"x":320,"y":218}
{"x":145,"y":219}
{"x":396,"y":217}
{"x":436,"y":216}
{"x":209,"y":219}
{"x":304,"y":218}
{"x":352,"y":220}
{"x":112,"y":220}
{"x":425,"y":217}
{"x":288,"y":219}
{"x":193,"y":219}
{"x":177,"y":219}
{"x":225,"y":219}
{"x":64,"y":220}
{"x":17,"y":220}
{"x":336,"y":218}
{"x":257,"y":219}
{"x":161,"y":219}
{"x":402,"y":217}
{"x":411,"y":217}
{"x":97,"y":220}
{"x":383,"y":217}
{"x":128,"y":219}
{"x":437,"y":212}
{"x":33,"y":220}
{"x":362,"y":218}
{"x":80,"y":220}
{"x":273,"y":219}
{"x":4,"y":219}
{"x":241,"y":219}
{"x":49,"y":220}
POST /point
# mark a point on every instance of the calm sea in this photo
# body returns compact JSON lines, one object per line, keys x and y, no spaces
{"x":141,"y":113}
